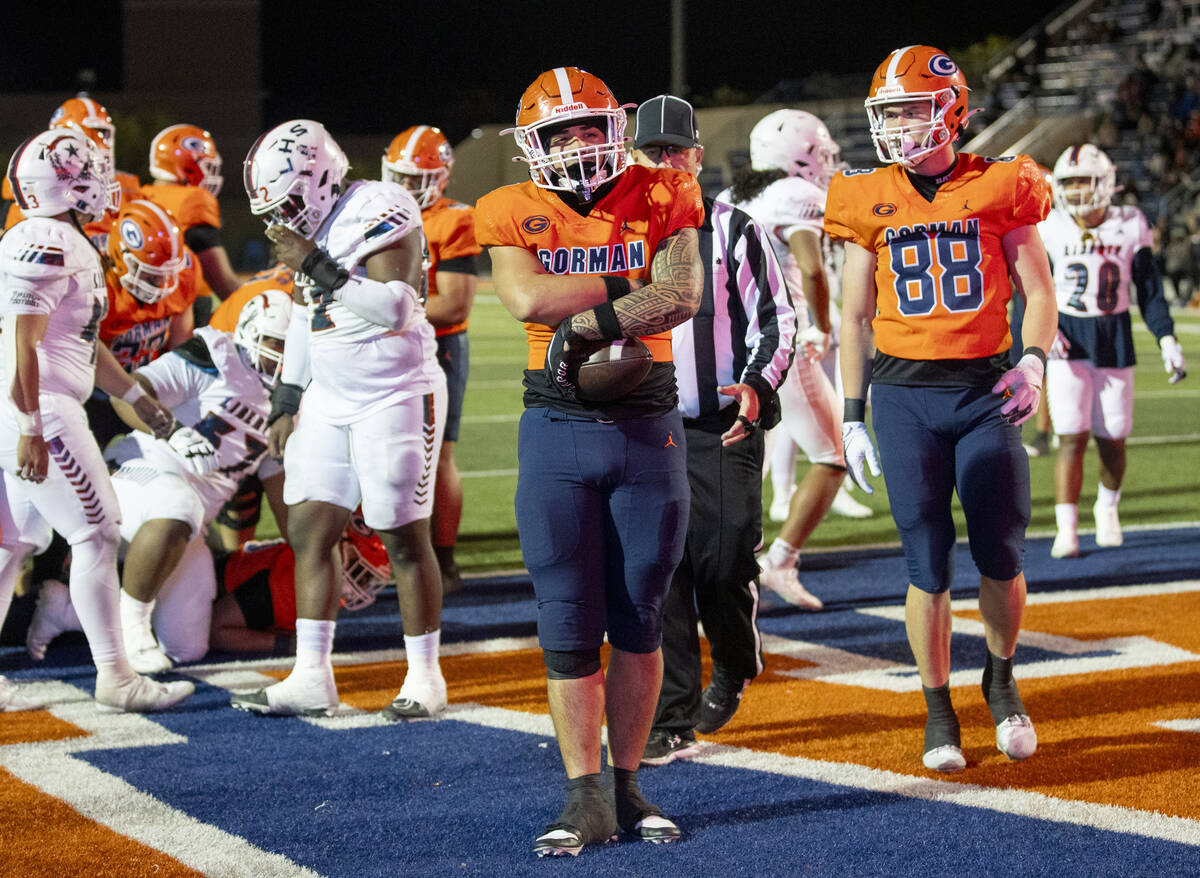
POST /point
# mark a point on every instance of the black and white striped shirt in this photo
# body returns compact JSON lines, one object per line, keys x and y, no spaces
{"x":745,"y":329}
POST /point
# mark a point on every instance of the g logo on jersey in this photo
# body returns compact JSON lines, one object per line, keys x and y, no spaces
{"x":941,"y":65}
{"x":131,"y":235}
{"x":884,"y":209}
{"x":535,"y":225}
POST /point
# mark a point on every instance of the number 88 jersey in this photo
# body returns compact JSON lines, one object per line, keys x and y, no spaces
{"x":941,"y":276}
{"x":1093,"y":268}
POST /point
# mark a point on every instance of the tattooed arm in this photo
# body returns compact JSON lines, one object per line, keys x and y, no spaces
{"x":671,"y":297}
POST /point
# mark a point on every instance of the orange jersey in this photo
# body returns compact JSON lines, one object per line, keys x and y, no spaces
{"x":941,"y":277}
{"x":257,"y":565}
{"x":225,"y":318}
{"x":137,"y":333}
{"x":191,"y":206}
{"x":618,"y":237}
{"x":450,"y":234}
{"x":131,"y":190}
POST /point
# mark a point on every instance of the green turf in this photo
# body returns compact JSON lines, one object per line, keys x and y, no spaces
{"x":1162,"y":483}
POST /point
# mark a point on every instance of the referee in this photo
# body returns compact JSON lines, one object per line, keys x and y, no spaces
{"x":729,"y":359}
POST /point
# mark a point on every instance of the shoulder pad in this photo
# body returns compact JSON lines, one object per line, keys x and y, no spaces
{"x":41,"y":247}
{"x":196,"y":352}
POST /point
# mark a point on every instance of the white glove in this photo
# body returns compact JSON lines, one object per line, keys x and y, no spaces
{"x":858,"y":447}
{"x":1022,"y":387}
{"x":195,"y":450}
{"x":1060,"y":348}
{"x":812,"y":343}
{"x":1172,"y":354}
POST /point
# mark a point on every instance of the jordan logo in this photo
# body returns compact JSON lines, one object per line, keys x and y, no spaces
{"x":670,"y":443}
{"x":966,"y":207}
{"x":625,"y":226}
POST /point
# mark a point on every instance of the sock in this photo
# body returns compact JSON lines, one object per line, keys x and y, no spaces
{"x":1066,"y":516}
{"x":135,"y":614}
{"x":941,"y":726}
{"x":631,"y":804}
{"x":589,"y":809}
{"x":422,"y":652}
{"x":783,"y":554}
{"x":314,"y":643}
{"x":1000,"y":689}
{"x":1107,"y":496}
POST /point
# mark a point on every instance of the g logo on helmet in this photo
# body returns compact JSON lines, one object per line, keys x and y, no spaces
{"x":444,"y":151}
{"x":192,"y":144}
{"x":941,"y":65}
{"x":131,"y":235}
{"x":535,"y":225}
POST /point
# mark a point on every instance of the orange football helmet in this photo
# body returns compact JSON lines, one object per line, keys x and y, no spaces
{"x":187,"y":155}
{"x":570,"y":96}
{"x":90,"y":119}
{"x":147,"y":252}
{"x":908,"y":75}
{"x":365,"y":565}
{"x":420,"y":159}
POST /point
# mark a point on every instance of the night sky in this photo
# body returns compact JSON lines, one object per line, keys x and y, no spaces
{"x":369,"y":67}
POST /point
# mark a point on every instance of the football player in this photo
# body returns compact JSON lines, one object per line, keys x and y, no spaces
{"x":186,"y":168}
{"x":256,"y":609}
{"x":934,"y":243}
{"x":1098,"y":252}
{"x":54,"y":475}
{"x":372,"y":417}
{"x":592,"y":248}
{"x":219,"y":386}
{"x":792,"y":158}
{"x":420,"y":159}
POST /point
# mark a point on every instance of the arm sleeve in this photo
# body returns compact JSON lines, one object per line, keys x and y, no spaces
{"x":1151,"y":301}
{"x":295,"y":369}
{"x":202,"y":237}
{"x":771,"y":324}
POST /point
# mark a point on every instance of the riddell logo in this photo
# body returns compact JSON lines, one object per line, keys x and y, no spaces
{"x":569,"y":108}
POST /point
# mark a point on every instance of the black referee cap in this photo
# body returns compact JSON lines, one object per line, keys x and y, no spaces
{"x":666,"y":119}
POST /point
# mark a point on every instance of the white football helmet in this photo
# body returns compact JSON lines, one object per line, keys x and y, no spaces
{"x":1088,"y":163}
{"x":265,"y":316}
{"x":797,"y":143}
{"x":293,"y":175}
{"x":56,"y":171}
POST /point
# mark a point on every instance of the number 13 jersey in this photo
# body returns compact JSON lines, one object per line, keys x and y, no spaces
{"x":941,"y":276}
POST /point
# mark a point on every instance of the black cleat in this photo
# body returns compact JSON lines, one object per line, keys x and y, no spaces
{"x":720,"y":701}
{"x":587,"y":818}
{"x":666,"y":746}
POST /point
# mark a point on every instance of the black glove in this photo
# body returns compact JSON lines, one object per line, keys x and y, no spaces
{"x":564,"y":355}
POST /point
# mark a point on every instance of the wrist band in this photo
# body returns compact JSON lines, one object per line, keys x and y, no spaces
{"x":285,"y":400}
{"x":324,"y":271}
{"x":1037,"y":352}
{"x":133,"y":394}
{"x":855,"y":410}
{"x":616,"y":287}
{"x":606,"y":322}
{"x":29,"y":423}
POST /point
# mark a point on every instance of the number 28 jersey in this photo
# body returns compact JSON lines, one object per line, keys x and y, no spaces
{"x":941,"y":275}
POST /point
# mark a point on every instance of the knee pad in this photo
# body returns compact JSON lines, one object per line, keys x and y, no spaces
{"x":571,"y":664}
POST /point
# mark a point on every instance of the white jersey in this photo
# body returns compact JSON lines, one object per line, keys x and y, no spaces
{"x":48,"y":267}
{"x":357,"y":366}
{"x":1093,"y":269}
{"x":789,"y":205}
{"x":209,"y":387}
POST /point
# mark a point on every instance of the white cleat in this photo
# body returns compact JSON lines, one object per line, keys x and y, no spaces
{"x":11,"y":698}
{"x":785,"y":582}
{"x":312,"y":693}
{"x":945,"y":758}
{"x":1108,"y":525}
{"x":149,"y":659}
{"x":51,"y":617}
{"x":140,"y":694}
{"x":1015,"y":737}
{"x":1066,"y":545}
{"x":847,"y":506}
{"x":422,"y":699}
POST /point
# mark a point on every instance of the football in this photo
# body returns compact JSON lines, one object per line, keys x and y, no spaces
{"x":612,"y":368}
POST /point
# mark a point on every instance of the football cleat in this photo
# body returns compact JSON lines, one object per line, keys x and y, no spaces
{"x":785,"y":582}
{"x":139,"y":694}
{"x":310,"y":693}
{"x":847,"y":506}
{"x":51,"y":617}
{"x":12,"y":700}
{"x":720,"y":701}
{"x":1015,"y":737}
{"x":587,"y":818}
{"x":1066,"y":545}
{"x":1108,"y":525}
{"x":422,"y":699}
{"x":945,"y":758}
{"x":664,"y":747}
